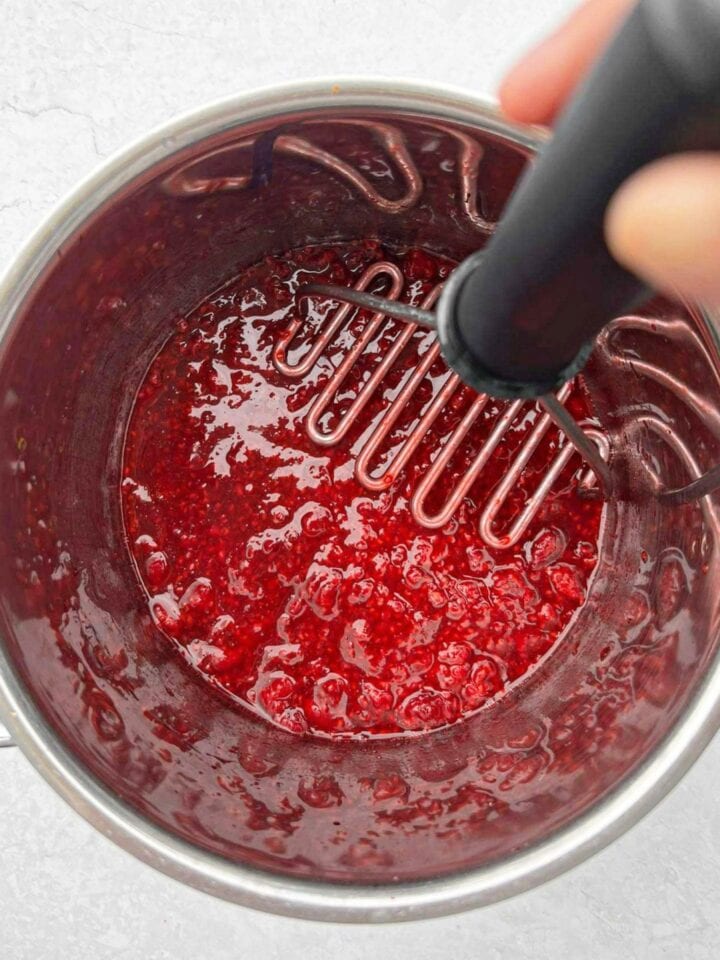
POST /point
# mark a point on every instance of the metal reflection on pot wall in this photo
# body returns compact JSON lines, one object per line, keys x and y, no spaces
{"x":207,"y":789}
{"x":189,"y":181}
{"x":679,"y":350}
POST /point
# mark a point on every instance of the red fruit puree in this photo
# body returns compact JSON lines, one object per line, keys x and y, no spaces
{"x":321,"y":606}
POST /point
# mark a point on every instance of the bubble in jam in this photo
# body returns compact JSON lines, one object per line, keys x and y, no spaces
{"x":321,"y":606}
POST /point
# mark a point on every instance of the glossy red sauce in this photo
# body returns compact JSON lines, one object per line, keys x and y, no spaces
{"x":284,"y":582}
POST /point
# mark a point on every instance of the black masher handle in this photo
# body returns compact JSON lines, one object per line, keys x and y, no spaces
{"x":523,"y":313}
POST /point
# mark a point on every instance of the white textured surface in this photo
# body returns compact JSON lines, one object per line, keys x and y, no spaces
{"x":77,"y":81}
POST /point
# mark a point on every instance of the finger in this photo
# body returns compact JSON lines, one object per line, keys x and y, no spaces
{"x":664,"y":225}
{"x":536,"y":88}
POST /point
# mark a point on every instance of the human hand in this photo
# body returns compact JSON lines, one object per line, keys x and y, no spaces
{"x":664,"y":222}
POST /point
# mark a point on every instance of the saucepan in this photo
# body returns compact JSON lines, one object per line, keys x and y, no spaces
{"x":144,"y":749}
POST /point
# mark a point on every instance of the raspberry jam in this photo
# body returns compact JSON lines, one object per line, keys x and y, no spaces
{"x":321,"y":606}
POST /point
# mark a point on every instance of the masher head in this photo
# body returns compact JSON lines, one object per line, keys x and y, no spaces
{"x":590,"y":442}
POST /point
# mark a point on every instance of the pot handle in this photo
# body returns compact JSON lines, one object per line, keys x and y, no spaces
{"x":5,"y":739}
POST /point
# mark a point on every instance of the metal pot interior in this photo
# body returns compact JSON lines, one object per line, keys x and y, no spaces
{"x":74,"y":622}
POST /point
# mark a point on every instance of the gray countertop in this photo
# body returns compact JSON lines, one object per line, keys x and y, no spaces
{"x":77,"y":81}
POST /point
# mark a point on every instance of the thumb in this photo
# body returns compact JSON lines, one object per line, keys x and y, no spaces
{"x":664,"y":225}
